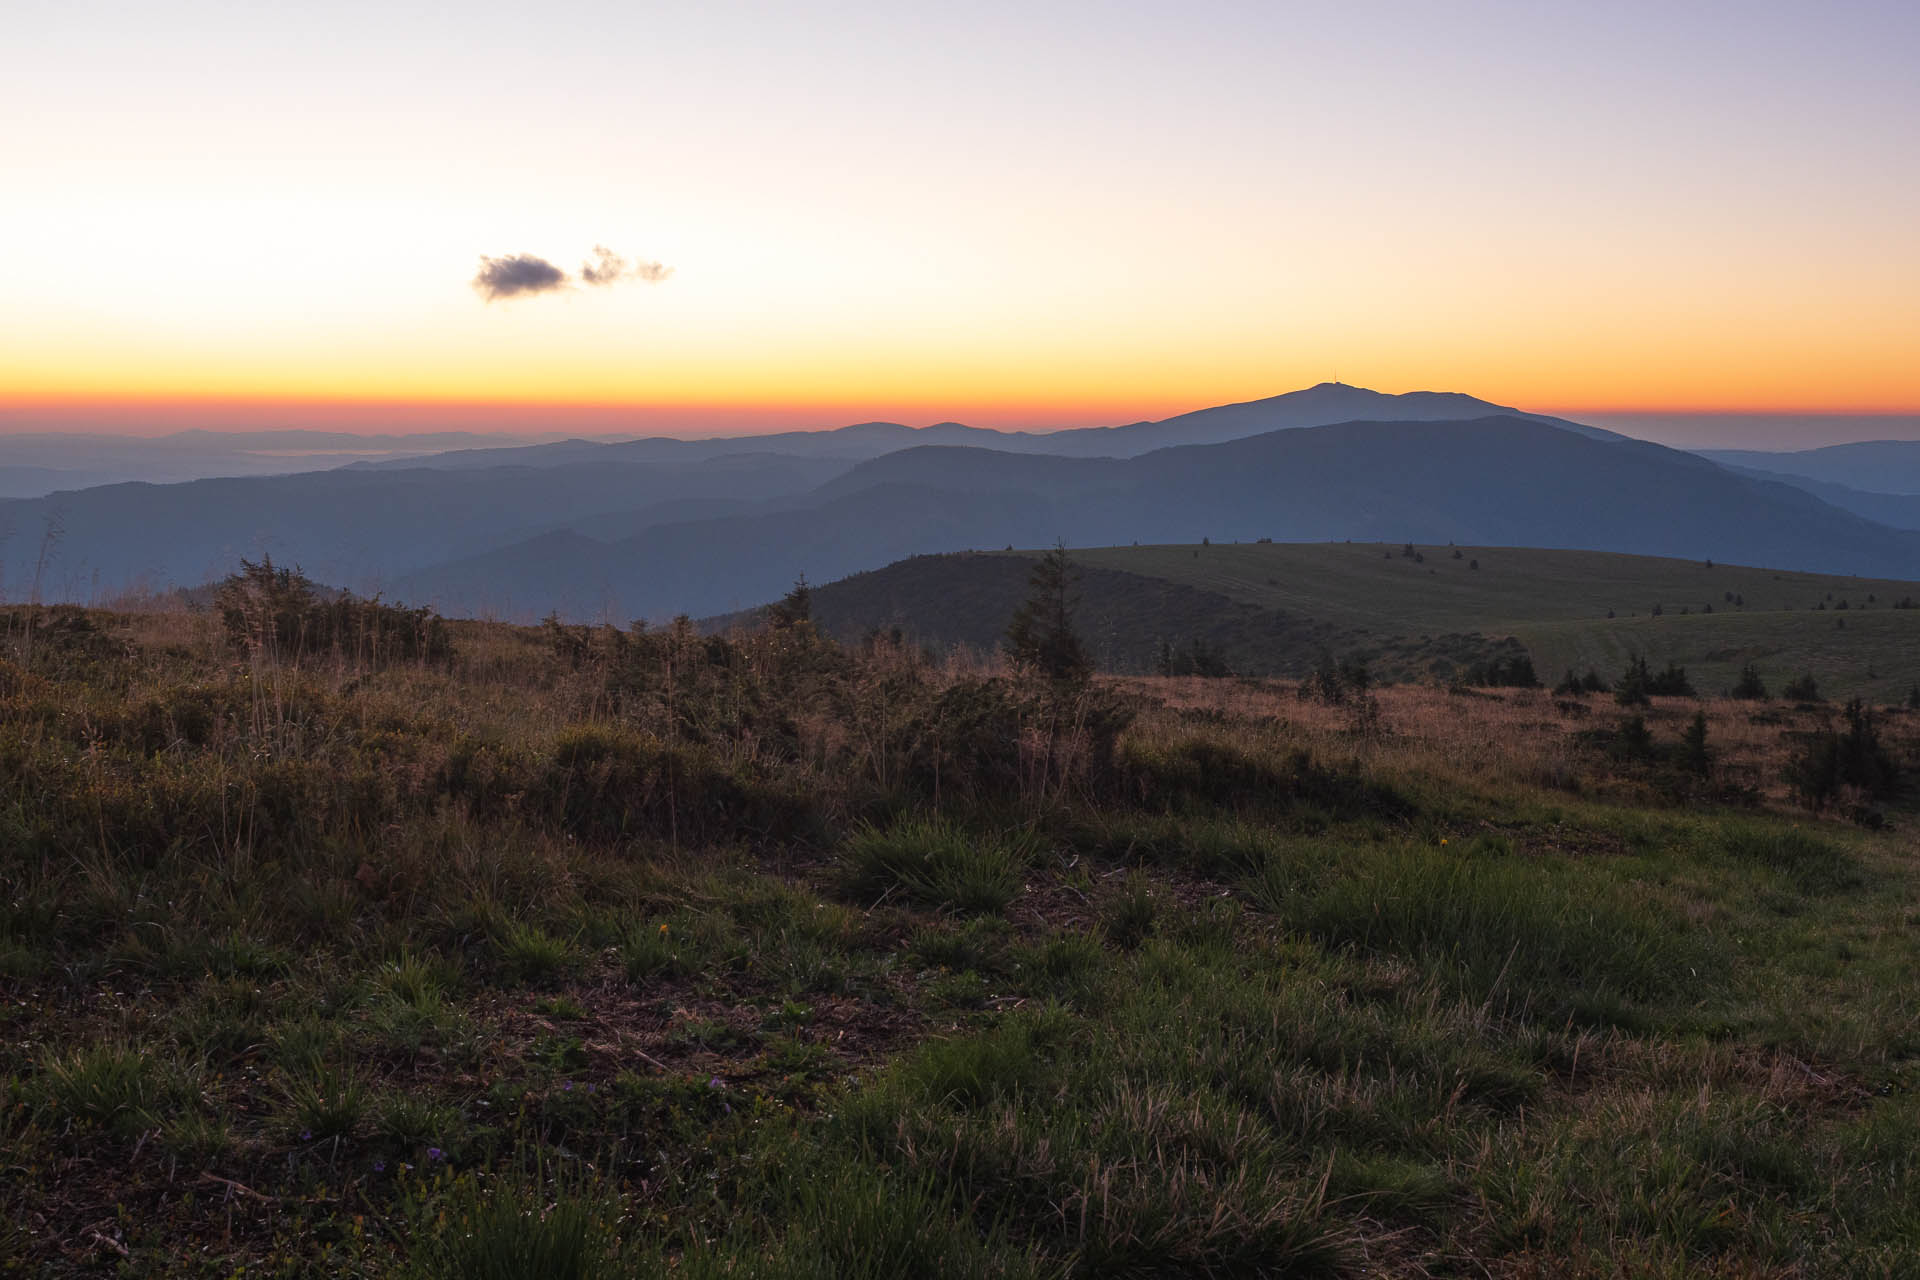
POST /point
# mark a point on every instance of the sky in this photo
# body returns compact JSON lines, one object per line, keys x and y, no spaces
{"x":1017,"y":215}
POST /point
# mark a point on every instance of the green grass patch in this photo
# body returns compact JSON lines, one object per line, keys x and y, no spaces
{"x":932,"y":863}
{"x":1523,"y":936}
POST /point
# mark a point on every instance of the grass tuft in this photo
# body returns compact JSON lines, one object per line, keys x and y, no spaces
{"x":515,"y":1227}
{"x":113,"y":1086}
{"x":932,"y":863}
{"x":529,"y":954}
{"x":1130,"y":915}
{"x":323,"y":1101}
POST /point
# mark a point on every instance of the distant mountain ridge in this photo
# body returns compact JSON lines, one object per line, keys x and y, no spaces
{"x":1871,"y":466}
{"x":1895,"y":510}
{"x":33,"y":464}
{"x":1497,"y":480}
{"x":656,"y":527}
{"x":1316,"y":406}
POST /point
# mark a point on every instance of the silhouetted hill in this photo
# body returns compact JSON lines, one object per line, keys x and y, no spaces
{"x":36,"y":463}
{"x":1330,"y":402}
{"x":703,"y":533}
{"x":1499,"y":480}
{"x":850,"y":443}
{"x":1322,"y":405}
{"x":1276,"y":608}
{"x":1873,"y":466}
{"x":711,"y":566}
{"x":965,"y":598}
{"x":359,"y":528}
{"x":960,"y":470}
{"x":1895,"y":510}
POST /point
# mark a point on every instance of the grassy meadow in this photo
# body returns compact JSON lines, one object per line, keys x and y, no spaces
{"x":587,"y":952}
{"x":1713,"y":620}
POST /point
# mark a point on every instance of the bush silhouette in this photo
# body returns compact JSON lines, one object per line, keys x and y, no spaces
{"x":1802,"y":689}
{"x":1833,"y":761}
{"x":281,"y":614}
{"x":1750,"y":686}
{"x":1040,"y":637}
{"x":1589,"y":683}
{"x":1693,"y":744}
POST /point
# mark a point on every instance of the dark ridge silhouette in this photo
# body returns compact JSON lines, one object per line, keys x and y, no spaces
{"x":1491,"y":481}
{"x":1895,"y":510}
{"x":1328,"y":403}
{"x":656,"y":528}
{"x":1871,"y":466}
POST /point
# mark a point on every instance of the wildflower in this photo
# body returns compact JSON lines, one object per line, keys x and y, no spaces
{"x":379,"y":1166}
{"x":716,"y":1083}
{"x":306,"y":1135}
{"x":592,"y":1089}
{"x":663,"y":930}
{"x":434,"y":1153}
{"x":1443,"y":839}
{"x":566,"y":1086}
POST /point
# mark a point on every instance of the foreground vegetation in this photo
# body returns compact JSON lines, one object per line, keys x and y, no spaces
{"x":585,"y":952}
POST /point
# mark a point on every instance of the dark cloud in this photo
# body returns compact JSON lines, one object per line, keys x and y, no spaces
{"x":608,"y":267}
{"x":521,"y":274}
{"x":516,"y":275}
{"x":605,"y":267}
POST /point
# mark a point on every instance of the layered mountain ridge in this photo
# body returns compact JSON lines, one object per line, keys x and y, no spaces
{"x":655,"y":527}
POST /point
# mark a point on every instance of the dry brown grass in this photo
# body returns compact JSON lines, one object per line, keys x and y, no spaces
{"x":505,"y":684}
{"x":1525,"y":737}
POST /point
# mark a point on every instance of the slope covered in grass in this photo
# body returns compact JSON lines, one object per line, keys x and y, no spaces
{"x":1713,"y":618}
{"x":1277,"y":607}
{"x":606,"y":953}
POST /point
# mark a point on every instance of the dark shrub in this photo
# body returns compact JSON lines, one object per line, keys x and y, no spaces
{"x":1671,"y":683}
{"x":1834,"y":761}
{"x":1802,"y":688}
{"x":1749,"y":686}
{"x":1589,"y":683}
{"x":1634,"y":741}
{"x":1638,"y":683}
{"x":1694,"y":754}
{"x":279,"y":612}
{"x":1631,"y":690}
{"x":1040,"y":637}
{"x":608,"y":783}
{"x":1509,"y":671}
{"x":1199,"y":773}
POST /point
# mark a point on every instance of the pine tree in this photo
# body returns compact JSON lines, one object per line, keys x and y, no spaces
{"x":1040,"y":636}
{"x":1694,"y":741}
{"x":795,"y":607}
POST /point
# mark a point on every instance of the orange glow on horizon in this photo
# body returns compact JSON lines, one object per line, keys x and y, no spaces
{"x":131,"y":413}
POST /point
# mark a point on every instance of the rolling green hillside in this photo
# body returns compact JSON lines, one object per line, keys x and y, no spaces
{"x":1271,"y":607}
{"x":965,"y":599}
{"x":1556,"y":603}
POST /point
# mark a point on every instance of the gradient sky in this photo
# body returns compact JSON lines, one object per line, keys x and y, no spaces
{"x":1009,"y":214}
